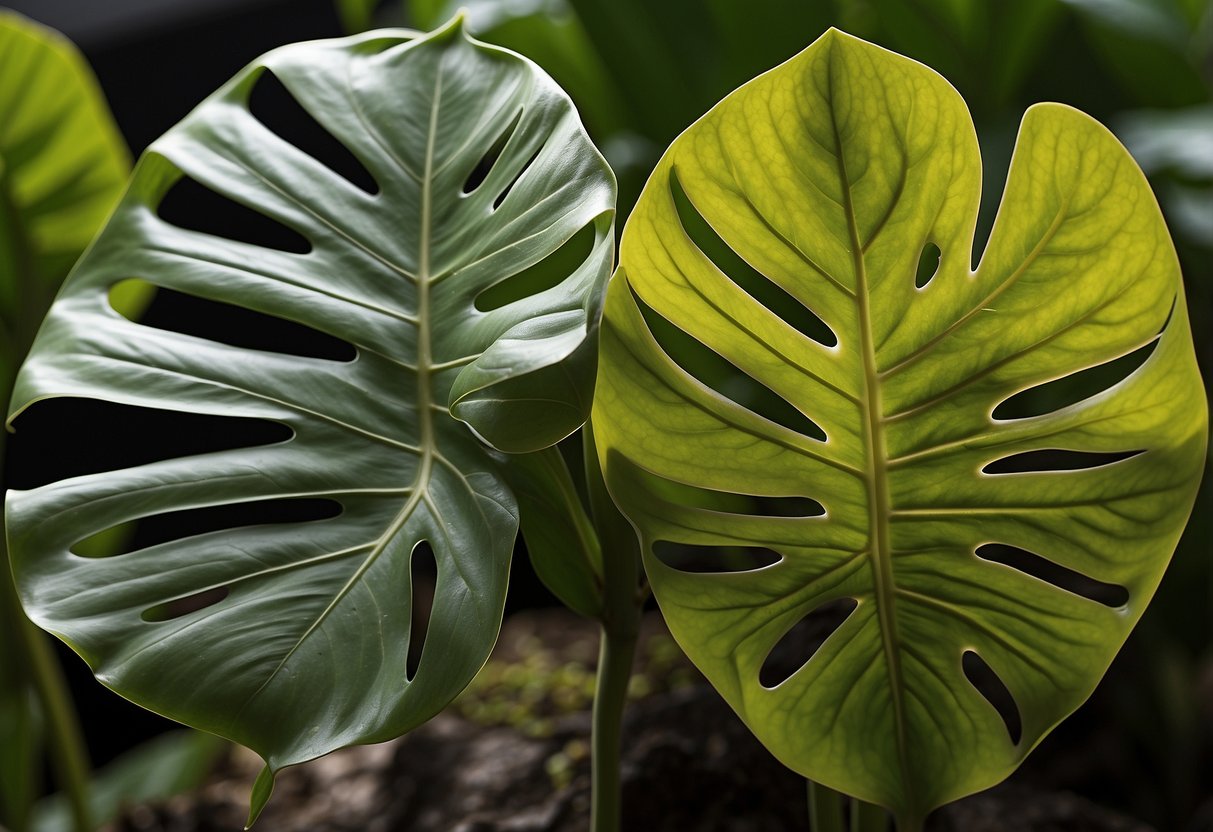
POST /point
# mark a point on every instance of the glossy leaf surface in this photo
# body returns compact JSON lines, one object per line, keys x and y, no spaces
{"x":292,"y":637}
{"x":782,"y":241}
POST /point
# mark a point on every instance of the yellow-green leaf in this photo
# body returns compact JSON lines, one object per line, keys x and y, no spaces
{"x":812,"y":193}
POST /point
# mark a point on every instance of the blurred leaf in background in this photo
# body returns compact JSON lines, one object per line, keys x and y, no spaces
{"x":63,"y":166}
{"x":170,"y":764}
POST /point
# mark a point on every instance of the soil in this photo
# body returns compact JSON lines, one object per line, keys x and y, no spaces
{"x":486,"y":766}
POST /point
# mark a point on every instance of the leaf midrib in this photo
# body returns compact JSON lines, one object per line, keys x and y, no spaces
{"x":876,"y":476}
{"x":425,"y":409}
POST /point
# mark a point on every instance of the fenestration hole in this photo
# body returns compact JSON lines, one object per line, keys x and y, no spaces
{"x":753,"y":282}
{"x":1054,"y":574}
{"x":714,"y":371}
{"x":803,"y":640}
{"x":986,"y":682}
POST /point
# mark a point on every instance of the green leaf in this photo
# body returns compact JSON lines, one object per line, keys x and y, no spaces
{"x":560,"y":538}
{"x":21,"y":730}
{"x":62,"y":168}
{"x":356,"y":15}
{"x":825,"y":179}
{"x":301,"y":642}
{"x":1157,"y":49}
{"x":170,"y":764}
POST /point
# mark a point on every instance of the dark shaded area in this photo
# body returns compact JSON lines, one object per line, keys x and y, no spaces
{"x":1067,"y":390}
{"x":546,"y":274}
{"x":1054,"y":459}
{"x":790,"y":654}
{"x":58,"y":438}
{"x":274,"y":106}
{"x":193,"y":206}
{"x":714,"y":371}
{"x":687,"y":557}
{"x":993,"y":690}
{"x":1110,"y":595}
{"x":180,"y":607}
{"x":423,"y":569}
{"x":928,"y":264}
{"x":486,"y":162}
{"x":238,"y":326}
{"x":753,"y":282}
{"x":177,"y":525}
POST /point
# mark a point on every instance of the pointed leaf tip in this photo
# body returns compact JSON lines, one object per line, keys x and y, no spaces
{"x":262,"y":789}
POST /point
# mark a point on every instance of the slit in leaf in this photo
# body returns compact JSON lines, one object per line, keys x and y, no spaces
{"x":274,"y":106}
{"x":1068,"y":390}
{"x":544,"y":275}
{"x":714,"y":371}
{"x":423,"y":567}
{"x":195,"y":207}
{"x":688,"y":557}
{"x":753,"y":282}
{"x":803,"y":640}
{"x":1054,"y":459}
{"x":986,"y":682}
{"x":928,"y":265}
{"x":521,"y":172}
{"x":66,"y":437}
{"x":178,"y":525}
{"x":1064,"y":578}
{"x":237,"y":326}
{"x":181,"y":607}
{"x":485,"y":164}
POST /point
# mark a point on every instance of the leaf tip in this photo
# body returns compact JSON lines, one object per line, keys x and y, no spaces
{"x":262,"y":789}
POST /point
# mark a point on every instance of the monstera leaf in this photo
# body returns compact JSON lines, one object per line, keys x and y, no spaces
{"x":291,"y":638}
{"x":856,"y":402}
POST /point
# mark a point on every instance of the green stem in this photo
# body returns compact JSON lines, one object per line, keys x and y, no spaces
{"x":610,"y":697}
{"x":68,"y":756}
{"x":66,"y":746}
{"x":825,"y":809}
{"x":622,"y":603}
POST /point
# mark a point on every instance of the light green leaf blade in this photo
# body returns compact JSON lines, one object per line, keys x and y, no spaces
{"x":307,"y":651}
{"x":62,"y":168}
{"x":829,"y":176}
{"x":168,"y":765}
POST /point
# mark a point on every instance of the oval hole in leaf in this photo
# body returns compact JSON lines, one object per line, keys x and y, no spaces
{"x":180,"y":607}
{"x":176,"y":525}
{"x":753,"y":282}
{"x":714,"y":371}
{"x":237,"y":326}
{"x":1076,"y":583}
{"x":1068,"y":390}
{"x":803,"y":640}
{"x":1054,"y":459}
{"x":274,"y":106}
{"x":485,"y":163}
{"x":423,"y":568}
{"x":986,"y":682}
{"x":790,"y":507}
{"x":687,"y":557}
{"x":67,"y":437}
{"x":195,"y":207}
{"x":521,"y":172}
{"x":546,"y":274}
{"x":928,"y":265}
